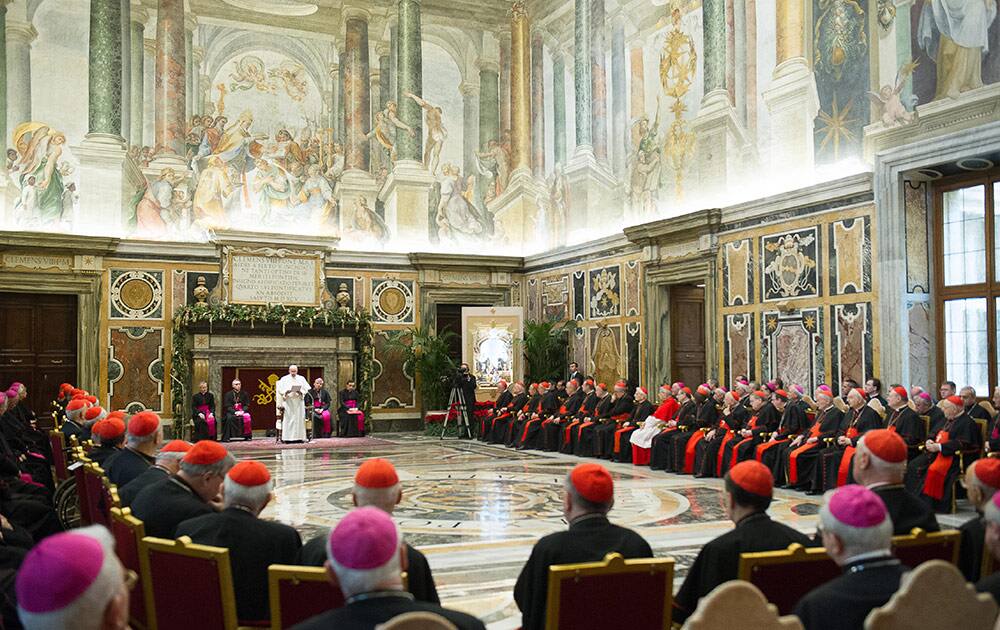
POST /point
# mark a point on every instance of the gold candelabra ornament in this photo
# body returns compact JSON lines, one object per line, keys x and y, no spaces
{"x":678,"y":65}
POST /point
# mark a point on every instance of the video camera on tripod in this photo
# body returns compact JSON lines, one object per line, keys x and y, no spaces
{"x":459,"y":382}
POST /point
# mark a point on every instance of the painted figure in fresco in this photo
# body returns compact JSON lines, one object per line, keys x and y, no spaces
{"x":153,"y":211}
{"x":317,"y":197}
{"x":70,"y":200}
{"x":250,"y":75}
{"x":384,"y":131}
{"x":290,"y":74}
{"x":214,"y":187}
{"x":365,"y":225}
{"x":889,"y":105}
{"x":275,"y":190}
{"x":28,"y":201}
{"x":336,"y":164}
{"x":557,"y":206}
{"x":39,"y":149}
{"x":287,"y":150}
{"x":645,"y":165}
{"x":436,"y":133}
{"x":495,"y":160}
{"x":955,"y":34}
{"x":456,"y":217}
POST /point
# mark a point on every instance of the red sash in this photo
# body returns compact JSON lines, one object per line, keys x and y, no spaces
{"x":618,"y":438}
{"x":524,"y":435}
{"x":793,"y":458}
{"x":937,"y":472}
{"x":689,"y":451}
{"x":569,"y":430}
{"x":722,"y":452}
{"x":765,"y":446}
{"x":845,"y":459}
{"x":579,"y":432}
{"x":209,"y":419}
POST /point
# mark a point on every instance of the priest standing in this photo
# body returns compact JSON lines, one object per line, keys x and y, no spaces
{"x":291,"y":389}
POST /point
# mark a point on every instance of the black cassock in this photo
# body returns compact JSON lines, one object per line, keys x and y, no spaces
{"x":794,"y":423}
{"x":515,"y":428}
{"x":503,"y":416}
{"x":683,"y":460}
{"x":151,"y":475}
{"x":126,"y":465}
{"x":232,"y":424}
{"x":588,"y":539}
{"x":963,"y":436}
{"x":347,"y":423}
{"x":532,"y":436}
{"x":906,"y":509}
{"x":844,"y":602}
{"x":567,"y":411}
{"x":990,"y":584}
{"x":828,"y":424}
{"x":661,"y":453}
{"x":719,"y":560}
{"x":254,"y":544}
{"x":745,"y":448}
{"x":604,"y":434}
{"x":164,"y":505}
{"x":486,"y":424}
{"x":833,"y":458}
{"x":419,"y":579}
{"x":201,"y":430}
{"x":909,"y":426}
{"x":315,"y":411}
{"x":708,"y":453}
{"x":973,"y":544}
{"x":586,"y":410}
{"x":586,"y":433}
{"x":621,"y":450}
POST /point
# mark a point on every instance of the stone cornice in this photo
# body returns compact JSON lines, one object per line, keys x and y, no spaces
{"x":462,"y":262}
{"x":687,"y":227}
{"x":616,"y":244}
{"x":65,"y":243}
{"x":241,"y":238}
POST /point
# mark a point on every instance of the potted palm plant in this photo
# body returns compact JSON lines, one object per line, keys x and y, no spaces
{"x":544,"y":347}
{"x":425,"y":356}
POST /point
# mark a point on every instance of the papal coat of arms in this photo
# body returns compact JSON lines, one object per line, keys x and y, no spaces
{"x":791,"y":271}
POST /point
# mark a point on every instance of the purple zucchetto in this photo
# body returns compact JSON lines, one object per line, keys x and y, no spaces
{"x":857,"y":506}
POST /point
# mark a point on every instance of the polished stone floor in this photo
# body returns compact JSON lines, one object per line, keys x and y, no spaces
{"x":475,"y":510}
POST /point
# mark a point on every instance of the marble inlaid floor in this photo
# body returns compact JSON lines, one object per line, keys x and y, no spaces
{"x":476,"y":510}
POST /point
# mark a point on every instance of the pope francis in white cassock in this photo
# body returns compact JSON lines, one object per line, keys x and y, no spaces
{"x":291,"y":390}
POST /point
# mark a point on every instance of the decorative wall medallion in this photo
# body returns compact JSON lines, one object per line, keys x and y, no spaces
{"x":392,"y":301}
{"x":136,"y":294}
{"x":605,"y":295}
{"x":789,"y":265}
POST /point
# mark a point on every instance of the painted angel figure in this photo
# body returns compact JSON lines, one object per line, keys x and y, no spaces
{"x":894,"y":109}
{"x":40,"y":149}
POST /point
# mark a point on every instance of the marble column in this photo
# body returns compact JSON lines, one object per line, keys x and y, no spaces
{"x":357,"y":91}
{"x":107,"y":179}
{"x":105,"y":70}
{"x":537,"y":106}
{"x":125,"y":24}
{"x":581,"y":77}
{"x":148,"y":92}
{"x":409,"y":68}
{"x":137,"y":61}
{"x":170,"y":87}
{"x":520,"y":93}
{"x":637,"y":88}
{"x":720,"y":137}
{"x":470,"y":125}
{"x":384,"y":75}
{"x":599,"y":82}
{"x":504,"y":38}
{"x":341,"y":101}
{"x":791,"y":99}
{"x":20,"y":36}
{"x":559,"y":108}
{"x":489,"y":103}
{"x":197,"y":93}
{"x":3,"y":83}
{"x":393,"y":58}
{"x":335,"y":100}
{"x":619,"y":104}
{"x":189,"y":68}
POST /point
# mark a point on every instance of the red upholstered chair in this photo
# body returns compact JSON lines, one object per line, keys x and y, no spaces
{"x":919,"y":547}
{"x":298,"y":593}
{"x":588,"y":596}
{"x":57,"y":442}
{"x":129,"y":532}
{"x":80,"y":476}
{"x":187,"y":586}
{"x":93,"y":490}
{"x":786,"y":576}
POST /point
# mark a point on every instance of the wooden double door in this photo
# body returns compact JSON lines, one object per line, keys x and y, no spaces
{"x":38,"y":345}
{"x":687,"y":334}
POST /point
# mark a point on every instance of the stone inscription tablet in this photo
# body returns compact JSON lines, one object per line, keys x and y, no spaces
{"x":263,"y":279}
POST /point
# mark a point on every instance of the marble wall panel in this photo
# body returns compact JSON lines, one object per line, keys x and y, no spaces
{"x":632,"y":287}
{"x":555,"y":298}
{"x":919,"y":316}
{"x":178,"y":288}
{"x":795,"y":348}
{"x":135,"y":368}
{"x":850,"y":256}
{"x":790,"y":265}
{"x":633,"y":344}
{"x":579,"y":348}
{"x":605,"y":292}
{"x":606,"y":353}
{"x":852,"y":352}
{"x":394,"y":388}
{"x":737,"y":273}
{"x":136,"y":294}
{"x":533,"y":301}
{"x":738,"y":349}
{"x":580,"y":295}
{"x":917,"y":245}
{"x":515,"y":293}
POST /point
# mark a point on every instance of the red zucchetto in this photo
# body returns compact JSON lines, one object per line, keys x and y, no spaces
{"x":205,"y":453}
{"x":143,"y":423}
{"x":376,"y":473}
{"x":593,"y":482}
{"x":249,"y":474}
{"x":754,"y":477}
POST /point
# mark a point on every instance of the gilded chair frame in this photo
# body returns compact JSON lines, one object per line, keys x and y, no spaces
{"x":918,"y":537}
{"x":57,"y":439}
{"x":795,"y":553}
{"x":184,"y":547}
{"x":278,"y":573}
{"x":613,"y":564}
{"x":138,"y":529}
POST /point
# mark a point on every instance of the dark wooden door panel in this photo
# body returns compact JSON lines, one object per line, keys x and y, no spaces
{"x":687,"y":334}
{"x":55,"y":329}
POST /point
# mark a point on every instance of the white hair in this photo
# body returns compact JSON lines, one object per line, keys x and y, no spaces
{"x":986,"y":491}
{"x":991,"y":513}
{"x":382,"y":498}
{"x":134,"y":441}
{"x":896,"y":470}
{"x":856,"y":540}
{"x":220,"y":467}
{"x":170,"y":456}
{"x":253,"y":497}
{"x":86,"y":612}
{"x":354,"y":581}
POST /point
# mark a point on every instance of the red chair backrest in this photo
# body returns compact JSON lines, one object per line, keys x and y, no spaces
{"x":920,"y":547}
{"x":187,"y":591}
{"x":80,"y":476}
{"x":784,"y":577}
{"x":596,"y":602}
{"x":100,"y":510}
{"x":128,"y":531}
{"x":57,"y":444}
{"x":299,"y":599}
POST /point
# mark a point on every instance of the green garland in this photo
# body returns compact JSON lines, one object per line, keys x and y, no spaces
{"x":232,"y":314}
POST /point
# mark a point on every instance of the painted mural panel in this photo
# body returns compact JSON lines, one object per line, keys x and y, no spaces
{"x":135,"y":368}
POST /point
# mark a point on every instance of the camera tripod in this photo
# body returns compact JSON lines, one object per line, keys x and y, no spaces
{"x":457,"y":398}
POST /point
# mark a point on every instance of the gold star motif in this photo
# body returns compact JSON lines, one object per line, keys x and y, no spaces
{"x":836,"y":126}
{"x":809,"y":322}
{"x":772,"y":324}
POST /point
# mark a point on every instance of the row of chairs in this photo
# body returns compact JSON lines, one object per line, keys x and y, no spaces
{"x":177,"y":578}
{"x":587,"y":595}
